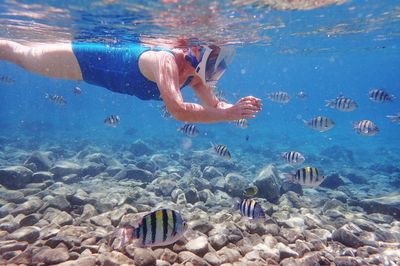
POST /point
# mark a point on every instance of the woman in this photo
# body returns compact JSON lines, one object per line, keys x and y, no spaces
{"x":136,"y":69}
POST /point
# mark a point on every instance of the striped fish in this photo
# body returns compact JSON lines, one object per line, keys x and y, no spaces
{"x":279,"y":97}
{"x":308,"y":177}
{"x":189,"y":130}
{"x":250,"y":208}
{"x":342,"y":104}
{"x":380,"y":96}
{"x":293,"y":157}
{"x":112,"y":120}
{"x":7,"y":80}
{"x":158,"y":228}
{"x":56,"y":99}
{"x":366,"y":128}
{"x":320,"y":123}
{"x":221,"y":150}
{"x":394,"y":118}
{"x":241,"y":123}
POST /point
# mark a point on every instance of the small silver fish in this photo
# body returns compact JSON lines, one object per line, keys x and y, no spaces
{"x":56,"y":99}
{"x":380,"y":96}
{"x":251,"y":209}
{"x":366,"y":128}
{"x":7,"y":80}
{"x":279,"y":97}
{"x":394,"y":118}
{"x":221,"y":150}
{"x":302,"y":95}
{"x":112,"y":120}
{"x":293,"y":157}
{"x":307,"y":176}
{"x":320,"y":123}
{"x":342,"y":104}
{"x":241,"y":123}
{"x":77,"y":91}
{"x":189,"y":130}
{"x":158,"y":228}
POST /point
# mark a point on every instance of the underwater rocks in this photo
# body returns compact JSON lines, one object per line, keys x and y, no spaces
{"x":135,"y":173}
{"x":70,"y":216}
{"x":332,"y":181}
{"x":14,"y":177}
{"x":386,"y":205}
{"x":268,"y":183}
{"x":41,"y":160}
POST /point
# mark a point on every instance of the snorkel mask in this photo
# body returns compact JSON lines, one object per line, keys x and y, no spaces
{"x":213,"y":62}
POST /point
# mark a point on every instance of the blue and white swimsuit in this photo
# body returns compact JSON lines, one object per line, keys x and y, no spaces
{"x":116,"y":67}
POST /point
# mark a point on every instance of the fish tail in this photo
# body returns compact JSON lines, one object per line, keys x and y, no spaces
{"x":122,"y":237}
{"x":328,"y":103}
{"x":47,"y":96}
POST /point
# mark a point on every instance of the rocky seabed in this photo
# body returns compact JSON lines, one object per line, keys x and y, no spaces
{"x":63,"y":211}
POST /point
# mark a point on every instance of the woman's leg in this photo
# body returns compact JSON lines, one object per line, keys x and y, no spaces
{"x":52,"y":60}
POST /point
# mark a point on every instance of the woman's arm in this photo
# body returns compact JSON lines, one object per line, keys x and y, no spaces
{"x":166,"y":75}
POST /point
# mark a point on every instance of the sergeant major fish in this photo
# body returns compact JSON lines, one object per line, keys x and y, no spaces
{"x":241,"y":123}
{"x":366,"y":128}
{"x":342,"y":104}
{"x":250,"y":208}
{"x":112,"y":120}
{"x":381,"y":96}
{"x":189,"y":130}
{"x":56,"y":99}
{"x":279,"y":97}
{"x":158,"y":228}
{"x":7,"y":80}
{"x":221,"y":150}
{"x":307,"y":176}
{"x":293,"y":157}
{"x":320,"y":123}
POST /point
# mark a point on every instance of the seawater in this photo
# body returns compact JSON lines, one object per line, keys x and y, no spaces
{"x":335,"y":50}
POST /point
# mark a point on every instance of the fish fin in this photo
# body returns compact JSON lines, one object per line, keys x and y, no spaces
{"x":328,"y":103}
{"x":122,"y":237}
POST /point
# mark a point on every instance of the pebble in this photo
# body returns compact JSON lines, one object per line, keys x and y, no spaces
{"x":346,"y":238}
{"x":49,"y":256}
{"x":198,"y":246}
{"x":218,"y":241}
{"x":29,"y":234}
{"x":144,"y":257}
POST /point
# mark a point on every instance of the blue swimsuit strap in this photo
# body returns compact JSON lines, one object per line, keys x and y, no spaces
{"x":188,"y":58}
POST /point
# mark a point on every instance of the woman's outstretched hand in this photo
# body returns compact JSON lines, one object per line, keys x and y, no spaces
{"x":246,"y":107}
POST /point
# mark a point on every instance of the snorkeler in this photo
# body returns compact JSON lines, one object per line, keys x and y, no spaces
{"x":142,"y":71}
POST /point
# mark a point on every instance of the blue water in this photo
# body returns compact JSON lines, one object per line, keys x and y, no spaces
{"x":346,"y":49}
